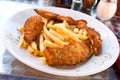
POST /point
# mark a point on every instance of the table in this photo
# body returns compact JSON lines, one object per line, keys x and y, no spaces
{"x":10,"y":65}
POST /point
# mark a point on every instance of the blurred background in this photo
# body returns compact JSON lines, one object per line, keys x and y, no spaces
{"x":60,"y":3}
{"x":86,"y":6}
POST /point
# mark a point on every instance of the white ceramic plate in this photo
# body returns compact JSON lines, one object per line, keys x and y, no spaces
{"x":96,"y":64}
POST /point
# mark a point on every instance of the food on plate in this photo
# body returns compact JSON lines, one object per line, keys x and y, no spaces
{"x":60,"y":40}
{"x":46,"y":14}
{"x":32,"y":28}
{"x":54,"y":16}
{"x":71,"y":54}
{"x":94,"y":37}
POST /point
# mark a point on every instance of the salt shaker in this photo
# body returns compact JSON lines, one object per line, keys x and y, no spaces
{"x":106,"y":9}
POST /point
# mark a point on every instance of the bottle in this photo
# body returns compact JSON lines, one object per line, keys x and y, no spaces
{"x":63,"y":3}
{"x":76,"y":4}
{"x":88,"y":4}
{"x":117,"y":14}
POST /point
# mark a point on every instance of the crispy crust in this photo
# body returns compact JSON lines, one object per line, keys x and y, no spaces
{"x":32,"y":28}
{"x":54,"y":16}
{"x":69,"y":55}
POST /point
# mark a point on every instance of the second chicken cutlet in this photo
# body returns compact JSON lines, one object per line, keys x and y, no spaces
{"x":51,"y":15}
{"x":32,"y":28}
{"x":69,"y":55}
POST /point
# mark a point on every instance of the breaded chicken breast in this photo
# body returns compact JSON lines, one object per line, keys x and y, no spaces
{"x":46,"y":14}
{"x":32,"y":28}
{"x":95,"y":39}
{"x":68,"y":55}
{"x":54,"y":16}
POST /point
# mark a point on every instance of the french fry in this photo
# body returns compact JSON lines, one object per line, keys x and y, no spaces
{"x":22,"y":42}
{"x":52,"y":37}
{"x":43,"y":59}
{"x":51,"y":26}
{"x":30,"y":49}
{"x":36,"y":52}
{"x":41,"y":44}
{"x":21,"y":29}
{"x":45,"y":36}
{"x":68,"y":33}
{"x":34,"y":45}
{"x":76,"y":30}
{"x":45,"y":21}
{"x":51,"y":22}
{"x":56,"y":34}
{"x":48,"y":43}
{"x":66,"y":24}
{"x":82,"y":37}
{"x":64,"y":31}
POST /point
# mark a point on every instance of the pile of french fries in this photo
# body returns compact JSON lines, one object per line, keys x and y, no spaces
{"x":53,"y":35}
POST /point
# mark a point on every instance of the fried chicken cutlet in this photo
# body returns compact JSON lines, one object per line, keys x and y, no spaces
{"x":32,"y":28}
{"x":68,"y":55}
{"x":54,"y":16}
{"x":93,"y":35}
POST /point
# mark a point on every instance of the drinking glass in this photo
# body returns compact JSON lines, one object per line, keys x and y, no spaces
{"x":106,"y":9}
{"x":87,"y":6}
{"x":63,"y":3}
